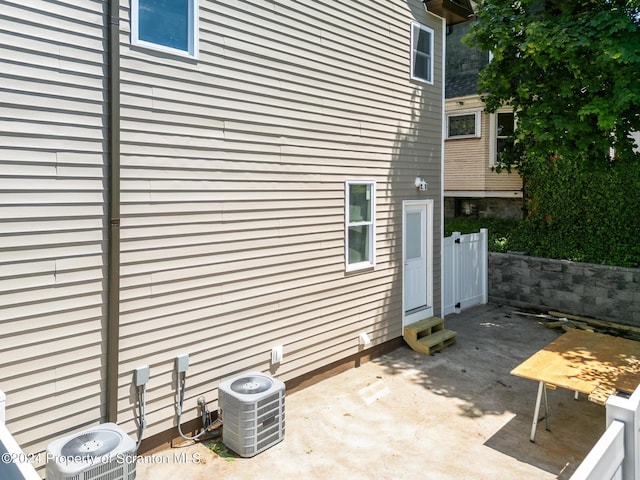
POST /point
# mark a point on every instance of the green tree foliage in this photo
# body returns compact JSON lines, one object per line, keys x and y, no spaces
{"x":571,"y":71}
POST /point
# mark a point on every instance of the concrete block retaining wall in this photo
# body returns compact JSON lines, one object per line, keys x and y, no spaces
{"x":598,"y":291}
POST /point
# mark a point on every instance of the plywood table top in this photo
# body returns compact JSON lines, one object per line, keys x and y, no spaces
{"x":595,"y":364}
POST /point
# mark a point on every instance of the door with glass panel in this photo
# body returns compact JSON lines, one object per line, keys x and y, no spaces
{"x":417,"y":260}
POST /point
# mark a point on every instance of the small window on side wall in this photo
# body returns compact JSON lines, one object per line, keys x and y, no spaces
{"x":421,"y":53}
{"x":465,"y":125}
{"x":502,"y":128}
{"x":360,"y":224}
{"x":170,"y":26}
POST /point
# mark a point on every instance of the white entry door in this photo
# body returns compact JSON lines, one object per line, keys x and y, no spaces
{"x":417,"y":255}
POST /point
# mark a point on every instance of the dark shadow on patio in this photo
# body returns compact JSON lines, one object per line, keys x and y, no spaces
{"x":475,"y":375}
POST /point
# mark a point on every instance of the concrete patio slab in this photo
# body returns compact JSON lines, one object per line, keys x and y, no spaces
{"x":458,"y":414}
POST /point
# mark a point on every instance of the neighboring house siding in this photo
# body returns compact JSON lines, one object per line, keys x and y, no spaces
{"x":465,"y":159}
{"x":466,"y":162}
{"x":233,"y":178}
{"x":52,"y":208}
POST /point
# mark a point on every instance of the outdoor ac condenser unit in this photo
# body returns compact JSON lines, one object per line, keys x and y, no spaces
{"x":252,"y":409}
{"x":104,"y":452}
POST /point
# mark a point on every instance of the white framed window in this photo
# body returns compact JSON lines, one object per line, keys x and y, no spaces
{"x":360,"y":225}
{"x":463,"y":125}
{"x":502,"y":125}
{"x":421,"y":53}
{"x":170,"y":26}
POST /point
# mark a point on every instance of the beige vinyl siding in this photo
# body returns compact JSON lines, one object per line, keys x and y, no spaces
{"x":466,"y":160}
{"x":233,"y":181}
{"x":51,"y":218}
{"x":466,"y":165}
{"x":504,"y":181}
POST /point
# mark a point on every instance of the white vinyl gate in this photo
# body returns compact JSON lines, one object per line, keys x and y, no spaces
{"x":464,"y":271}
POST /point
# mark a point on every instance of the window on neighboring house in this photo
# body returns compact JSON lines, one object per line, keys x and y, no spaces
{"x":360,"y":224}
{"x":167,"y":25}
{"x":421,"y":53}
{"x":502,"y":127}
{"x":465,"y":125}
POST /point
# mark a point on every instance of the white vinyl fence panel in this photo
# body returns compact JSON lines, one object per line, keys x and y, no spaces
{"x":616,"y":455}
{"x":604,"y":462}
{"x":464,"y":271}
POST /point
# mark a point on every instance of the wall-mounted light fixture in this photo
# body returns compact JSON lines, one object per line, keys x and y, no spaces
{"x":421,"y":184}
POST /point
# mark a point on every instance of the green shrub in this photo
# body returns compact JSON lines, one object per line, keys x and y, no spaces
{"x":503,"y":233}
{"x":585,"y":216}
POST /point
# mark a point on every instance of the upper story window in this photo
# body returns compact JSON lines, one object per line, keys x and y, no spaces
{"x":502,"y":127}
{"x":421,"y":53}
{"x":360,"y":224}
{"x":465,"y":125}
{"x":170,"y":26}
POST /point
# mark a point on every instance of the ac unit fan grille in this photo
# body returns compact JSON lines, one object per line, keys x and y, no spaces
{"x":91,"y":445}
{"x":252,"y":385}
{"x":104,"y":452}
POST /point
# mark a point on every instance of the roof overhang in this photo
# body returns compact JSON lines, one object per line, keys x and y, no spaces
{"x":453,"y":11}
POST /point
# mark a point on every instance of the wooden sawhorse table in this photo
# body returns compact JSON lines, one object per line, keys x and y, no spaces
{"x":595,"y":364}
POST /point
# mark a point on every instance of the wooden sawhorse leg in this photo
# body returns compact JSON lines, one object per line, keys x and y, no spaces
{"x":542,"y":391}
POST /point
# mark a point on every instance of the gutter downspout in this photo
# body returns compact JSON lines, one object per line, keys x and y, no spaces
{"x":113,"y":192}
{"x":443,"y":135}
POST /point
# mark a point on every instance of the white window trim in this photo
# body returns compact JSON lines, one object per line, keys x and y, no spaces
{"x":193,"y":32}
{"x":414,"y":26}
{"x":493,"y":134}
{"x":478,"y":129}
{"x":372,"y":238}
